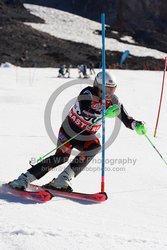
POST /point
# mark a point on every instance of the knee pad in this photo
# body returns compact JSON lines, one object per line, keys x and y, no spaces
{"x":92,"y":147}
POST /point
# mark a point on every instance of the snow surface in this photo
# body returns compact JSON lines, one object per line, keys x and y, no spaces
{"x":135,"y":214}
{"x":78,"y":29}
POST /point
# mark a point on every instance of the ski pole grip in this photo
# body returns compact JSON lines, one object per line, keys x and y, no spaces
{"x":113,"y":111}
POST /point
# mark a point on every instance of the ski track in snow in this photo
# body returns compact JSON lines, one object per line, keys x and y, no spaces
{"x":134,"y":216}
{"x":78,"y":29}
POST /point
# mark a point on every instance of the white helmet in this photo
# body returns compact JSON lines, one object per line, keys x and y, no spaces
{"x":109,"y":79}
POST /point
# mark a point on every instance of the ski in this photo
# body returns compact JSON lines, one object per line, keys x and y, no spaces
{"x":39,"y":193}
{"x":42,"y":195}
{"x":96,"y":197}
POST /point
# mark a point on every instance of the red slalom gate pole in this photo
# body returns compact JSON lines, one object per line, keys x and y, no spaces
{"x":160,"y":102}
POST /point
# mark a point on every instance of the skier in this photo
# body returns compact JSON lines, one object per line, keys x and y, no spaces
{"x":91,"y":69}
{"x":79,"y":71}
{"x":86,"y":110}
{"x":82,"y":71}
{"x":85,"y":71}
{"x":67,"y":71}
{"x":62,"y":70}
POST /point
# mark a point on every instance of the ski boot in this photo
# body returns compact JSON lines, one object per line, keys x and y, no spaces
{"x":62,"y":182}
{"x":22,"y":182}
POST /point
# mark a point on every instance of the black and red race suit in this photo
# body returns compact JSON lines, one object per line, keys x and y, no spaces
{"x":86,"y":110}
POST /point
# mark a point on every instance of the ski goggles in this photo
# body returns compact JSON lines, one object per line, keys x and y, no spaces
{"x":109,"y":89}
{"x":111,"y":84}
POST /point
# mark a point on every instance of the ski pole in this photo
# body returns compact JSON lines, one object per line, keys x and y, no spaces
{"x":73,"y":137}
{"x":111,"y":112}
{"x":155,"y":148}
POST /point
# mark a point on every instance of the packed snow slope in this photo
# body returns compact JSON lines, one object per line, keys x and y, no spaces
{"x":82,"y":30}
{"x":135,"y":214}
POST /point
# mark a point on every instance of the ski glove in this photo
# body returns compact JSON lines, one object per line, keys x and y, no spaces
{"x":139,"y":127}
{"x":113,"y":111}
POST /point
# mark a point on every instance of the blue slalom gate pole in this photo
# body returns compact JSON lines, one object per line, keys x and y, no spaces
{"x":103,"y":102}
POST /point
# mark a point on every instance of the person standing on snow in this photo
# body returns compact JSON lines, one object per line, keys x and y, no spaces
{"x":91,"y":69}
{"x":62,"y":71}
{"x":86,"y":110}
{"x":67,"y":71}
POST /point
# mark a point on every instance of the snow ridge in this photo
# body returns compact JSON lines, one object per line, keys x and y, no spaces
{"x":78,"y":29}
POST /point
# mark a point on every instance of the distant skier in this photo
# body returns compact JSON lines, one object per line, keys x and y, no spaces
{"x":79,"y":71}
{"x":67,"y":71}
{"x":85,"y":71}
{"x":82,"y":71}
{"x":91,"y":69}
{"x":85,"y":111}
{"x":62,"y":71}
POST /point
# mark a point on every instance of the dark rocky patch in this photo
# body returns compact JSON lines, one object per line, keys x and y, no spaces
{"x":24,"y":46}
